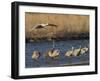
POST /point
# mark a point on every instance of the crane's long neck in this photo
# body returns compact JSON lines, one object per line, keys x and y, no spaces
{"x":53,"y":44}
{"x":72,"y":48}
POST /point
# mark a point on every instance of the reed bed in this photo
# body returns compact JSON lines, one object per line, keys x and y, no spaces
{"x":69,"y":25}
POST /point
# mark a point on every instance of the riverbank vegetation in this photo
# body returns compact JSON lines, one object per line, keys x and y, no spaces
{"x":69,"y":26}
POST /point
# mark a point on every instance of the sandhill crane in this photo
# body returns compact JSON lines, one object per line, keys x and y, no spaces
{"x":84,"y":50}
{"x":77,"y":52}
{"x":70,"y":52}
{"x":53,"y":53}
{"x":35,"y":55}
{"x":39,"y":26}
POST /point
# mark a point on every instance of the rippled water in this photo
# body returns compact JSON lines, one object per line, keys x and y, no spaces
{"x":63,"y":46}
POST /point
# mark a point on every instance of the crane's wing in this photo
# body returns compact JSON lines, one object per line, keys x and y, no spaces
{"x":41,"y":26}
{"x":52,"y":25}
{"x":34,"y":27}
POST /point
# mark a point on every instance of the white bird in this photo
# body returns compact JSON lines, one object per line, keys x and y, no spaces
{"x":35,"y":55}
{"x":70,"y":52}
{"x":84,"y":50}
{"x":56,"y":53}
{"x":77,"y":52}
{"x":38,"y":26}
{"x":53,"y":53}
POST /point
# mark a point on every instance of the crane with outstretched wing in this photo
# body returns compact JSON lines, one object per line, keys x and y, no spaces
{"x":39,"y":26}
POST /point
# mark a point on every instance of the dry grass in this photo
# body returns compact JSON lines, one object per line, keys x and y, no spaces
{"x":68,"y":24}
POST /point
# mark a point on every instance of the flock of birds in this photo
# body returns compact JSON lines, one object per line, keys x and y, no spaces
{"x":55,"y":53}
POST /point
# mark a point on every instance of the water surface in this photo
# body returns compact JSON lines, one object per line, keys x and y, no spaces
{"x":63,"y":46}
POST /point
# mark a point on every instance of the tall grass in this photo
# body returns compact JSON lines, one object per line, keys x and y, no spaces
{"x":68,"y":25}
